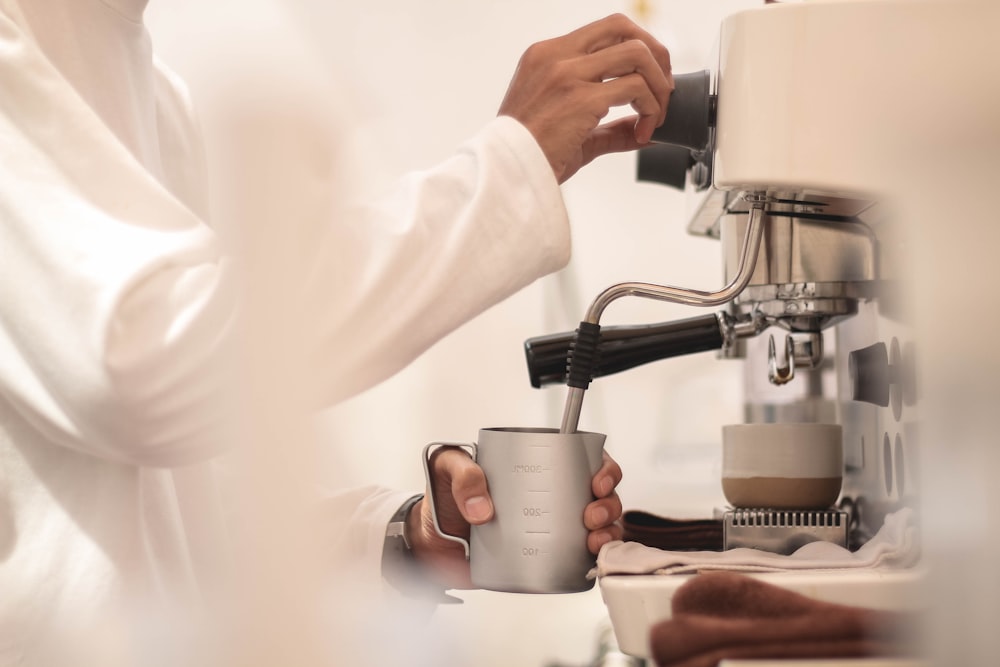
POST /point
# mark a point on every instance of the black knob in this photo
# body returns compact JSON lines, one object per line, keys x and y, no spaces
{"x":690,"y":113}
{"x":870,"y":374}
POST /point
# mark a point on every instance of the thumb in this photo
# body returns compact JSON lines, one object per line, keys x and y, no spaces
{"x":468,"y":485}
{"x":613,"y":137}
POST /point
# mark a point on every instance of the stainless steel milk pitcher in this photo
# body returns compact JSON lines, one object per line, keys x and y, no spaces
{"x":540,"y":483}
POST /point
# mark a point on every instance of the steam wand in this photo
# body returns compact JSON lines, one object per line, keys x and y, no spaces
{"x":583,"y":357}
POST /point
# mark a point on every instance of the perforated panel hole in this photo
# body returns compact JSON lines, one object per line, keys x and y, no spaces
{"x":900,"y":466}
{"x":887,"y":463}
{"x":896,"y":389}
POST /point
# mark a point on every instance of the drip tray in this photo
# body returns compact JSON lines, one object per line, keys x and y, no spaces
{"x":782,"y":531}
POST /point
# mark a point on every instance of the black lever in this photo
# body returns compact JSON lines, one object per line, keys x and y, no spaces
{"x":664,"y":163}
{"x":622,"y":347}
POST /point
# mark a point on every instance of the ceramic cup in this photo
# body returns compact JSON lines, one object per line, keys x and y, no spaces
{"x":782,"y":466}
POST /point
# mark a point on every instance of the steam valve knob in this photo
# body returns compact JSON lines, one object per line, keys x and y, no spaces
{"x":871,"y":376}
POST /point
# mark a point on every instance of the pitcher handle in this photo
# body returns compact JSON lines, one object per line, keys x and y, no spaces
{"x":428,"y":450}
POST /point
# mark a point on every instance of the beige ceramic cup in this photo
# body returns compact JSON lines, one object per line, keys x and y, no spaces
{"x":782,"y":466}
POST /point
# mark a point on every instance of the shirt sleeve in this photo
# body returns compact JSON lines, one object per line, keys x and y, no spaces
{"x":95,"y":250}
{"x":357,"y":520}
{"x":443,"y":246}
{"x":121,"y":310}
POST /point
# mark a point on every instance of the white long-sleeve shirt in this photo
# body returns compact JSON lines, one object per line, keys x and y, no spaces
{"x":118,"y":301}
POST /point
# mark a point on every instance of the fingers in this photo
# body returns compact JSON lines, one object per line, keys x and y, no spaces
{"x":467,"y":483}
{"x":613,"y":137}
{"x":598,"y":538}
{"x":625,"y":58}
{"x":563,"y":87}
{"x":602,"y":513}
{"x":614,"y":29}
{"x":607,"y":479}
{"x":601,"y":516}
{"x":632,"y":90}
{"x":631,"y":72}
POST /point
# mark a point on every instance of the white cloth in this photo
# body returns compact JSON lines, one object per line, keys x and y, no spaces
{"x":894,"y":546}
{"x":118,"y":303}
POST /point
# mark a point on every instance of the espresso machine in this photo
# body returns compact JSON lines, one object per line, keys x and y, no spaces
{"x":811,"y":306}
{"x":787,"y":143}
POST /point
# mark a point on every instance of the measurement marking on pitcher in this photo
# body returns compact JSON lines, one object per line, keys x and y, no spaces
{"x":537,"y":532}
{"x":530,"y":468}
{"x":534,"y":511}
{"x":531,"y":552}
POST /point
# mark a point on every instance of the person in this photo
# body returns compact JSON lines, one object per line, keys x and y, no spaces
{"x":121,"y":305}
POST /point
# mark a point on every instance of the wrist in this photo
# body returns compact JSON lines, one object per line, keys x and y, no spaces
{"x":441,"y":559}
{"x":425,"y":543}
{"x":402,"y":565}
{"x":413,"y":531}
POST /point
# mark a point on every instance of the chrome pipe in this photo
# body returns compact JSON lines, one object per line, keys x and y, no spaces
{"x":745,"y":269}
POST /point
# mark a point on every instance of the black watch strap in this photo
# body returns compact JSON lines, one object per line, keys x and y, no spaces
{"x":395,"y":531}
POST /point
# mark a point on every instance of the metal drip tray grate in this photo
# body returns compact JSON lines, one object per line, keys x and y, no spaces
{"x":782,"y":531}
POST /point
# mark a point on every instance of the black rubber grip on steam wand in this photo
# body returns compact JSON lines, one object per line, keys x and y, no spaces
{"x":581,"y":361}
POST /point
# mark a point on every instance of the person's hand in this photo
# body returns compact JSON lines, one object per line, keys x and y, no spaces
{"x":462,"y":500}
{"x":563,"y":87}
{"x":601,"y":516}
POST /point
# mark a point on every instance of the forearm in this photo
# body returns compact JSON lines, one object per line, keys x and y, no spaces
{"x":446,"y":244}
